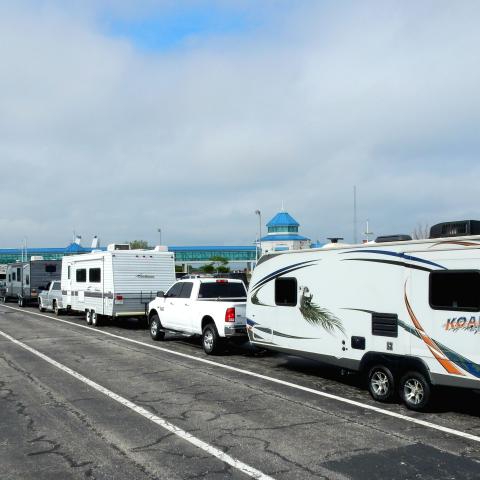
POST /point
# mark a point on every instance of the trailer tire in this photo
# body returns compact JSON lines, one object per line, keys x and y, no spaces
{"x":381,"y":383}
{"x":21,"y":302}
{"x":95,"y":319}
{"x":156,"y":331}
{"x":415,"y":391}
{"x":88,"y":317}
{"x":211,"y":341}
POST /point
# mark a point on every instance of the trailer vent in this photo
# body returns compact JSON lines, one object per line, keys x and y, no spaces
{"x":385,"y":324}
{"x":393,"y":238}
{"x":455,"y":229}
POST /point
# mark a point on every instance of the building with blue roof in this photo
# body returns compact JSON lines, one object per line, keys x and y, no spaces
{"x":282,"y":234}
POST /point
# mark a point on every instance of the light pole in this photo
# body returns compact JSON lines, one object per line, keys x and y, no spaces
{"x":159,"y":230}
{"x":259,"y":213}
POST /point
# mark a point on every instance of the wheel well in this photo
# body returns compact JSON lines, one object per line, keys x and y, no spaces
{"x":206,"y":320}
{"x":398,"y":364}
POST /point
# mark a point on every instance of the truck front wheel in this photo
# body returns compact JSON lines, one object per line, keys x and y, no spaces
{"x":56,"y":310}
{"x":40,"y":305}
{"x":211,"y":341}
{"x":156,"y":331}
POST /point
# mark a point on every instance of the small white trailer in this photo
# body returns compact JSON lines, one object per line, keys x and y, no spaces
{"x":406,"y":313}
{"x":118,"y":282}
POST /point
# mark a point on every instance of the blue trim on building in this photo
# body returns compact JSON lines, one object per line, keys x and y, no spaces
{"x":280,"y":237}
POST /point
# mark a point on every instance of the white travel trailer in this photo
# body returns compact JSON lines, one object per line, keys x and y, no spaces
{"x":406,"y":313}
{"x":118,"y":282}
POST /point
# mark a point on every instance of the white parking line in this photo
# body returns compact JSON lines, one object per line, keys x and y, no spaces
{"x":361,"y":405}
{"x":243,"y":467}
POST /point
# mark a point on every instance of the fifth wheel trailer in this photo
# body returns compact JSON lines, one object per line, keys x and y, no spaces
{"x":118,"y":282}
{"x":406,"y":313}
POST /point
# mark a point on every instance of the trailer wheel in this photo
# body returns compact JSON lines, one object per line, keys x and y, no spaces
{"x":21,"y":302}
{"x":40,"y":306}
{"x":211,"y":341}
{"x":415,"y":391}
{"x":88,"y":317}
{"x":95,"y":319}
{"x":156,"y":331}
{"x":381,"y":383}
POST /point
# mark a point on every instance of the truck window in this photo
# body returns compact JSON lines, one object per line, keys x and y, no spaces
{"x":186,"y":290}
{"x":50,"y":268}
{"x":222,"y":290}
{"x":174,"y":292}
{"x":94,"y":275}
{"x":286,"y":291}
{"x":81,"y":275}
{"x":56,"y":286}
{"x":455,"y":290}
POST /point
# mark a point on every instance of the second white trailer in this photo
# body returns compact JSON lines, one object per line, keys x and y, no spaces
{"x":115,"y":283}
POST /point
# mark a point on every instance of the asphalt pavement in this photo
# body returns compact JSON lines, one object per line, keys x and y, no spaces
{"x":109,"y":403}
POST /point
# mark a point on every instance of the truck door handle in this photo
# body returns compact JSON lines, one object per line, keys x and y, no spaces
{"x":187,"y":304}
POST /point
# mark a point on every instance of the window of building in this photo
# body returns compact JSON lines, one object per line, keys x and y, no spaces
{"x":455,"y":290}
{"x":81,"y":275}
{"x":286,"y":291}
{"x":94,"y":275}
{"x":50,"y":268}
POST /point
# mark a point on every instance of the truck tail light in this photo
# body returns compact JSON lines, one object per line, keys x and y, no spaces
{"x":222,"y":281}
{"x":230,"y":315}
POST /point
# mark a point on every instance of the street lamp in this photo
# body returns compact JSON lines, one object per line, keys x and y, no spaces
{"x":160,"y":235}
{"x":259,"y":213}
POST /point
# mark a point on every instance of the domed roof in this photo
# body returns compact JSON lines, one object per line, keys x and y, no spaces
{"x":283,"y":219}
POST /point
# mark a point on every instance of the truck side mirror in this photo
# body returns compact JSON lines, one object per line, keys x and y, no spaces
{"x":160,"y":293}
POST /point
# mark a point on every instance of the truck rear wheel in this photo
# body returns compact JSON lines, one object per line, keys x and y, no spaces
{"x":381,"y":383}
{"x":415,"y":391}
{"x":156,"y":331}
{"x":88,"y":317}
{"x":40,"y":305}
{"x":56,"y":310}
{"x":211,"y":341}
{"x":21,"y":302}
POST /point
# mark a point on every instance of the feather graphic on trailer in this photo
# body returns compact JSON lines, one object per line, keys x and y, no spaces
{"x":317,"y":315}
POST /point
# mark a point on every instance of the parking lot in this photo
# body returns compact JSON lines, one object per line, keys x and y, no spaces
{"x":80,"y":402}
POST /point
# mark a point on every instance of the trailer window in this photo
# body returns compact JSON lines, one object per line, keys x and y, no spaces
{"x":50,"y":268}
{"x":174,"y":291}
{"x":186,"y":290}
{"x":68,"y":272}
{"x":14,"y":277}
{"x":286,"y":291}
{"x":94,"y":275}
{"x":27,"y":279}
{"x":19,"y":274}
{"x":455,"y":290}
{"x":81,"y":275}
{"x":9,"y":278}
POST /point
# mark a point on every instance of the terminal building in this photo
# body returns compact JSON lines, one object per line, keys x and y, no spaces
{"x":282,"y":235}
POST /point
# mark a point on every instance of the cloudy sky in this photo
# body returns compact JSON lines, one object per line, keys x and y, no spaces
{"x":119,"y":117}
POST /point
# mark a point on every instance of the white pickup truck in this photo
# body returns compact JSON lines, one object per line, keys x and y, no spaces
{"x":211,"y":307}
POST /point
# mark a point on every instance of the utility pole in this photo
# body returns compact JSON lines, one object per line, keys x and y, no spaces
{"x":159,"y":230}
{"x":355,"y":239}
{"x":259,"y":213}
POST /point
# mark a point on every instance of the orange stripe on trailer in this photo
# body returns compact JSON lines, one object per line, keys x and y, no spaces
{"x":447,"y":364}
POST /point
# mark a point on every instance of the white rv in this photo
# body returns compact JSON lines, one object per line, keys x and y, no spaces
{"x":118,"y":282}
{"x":407,"y":313}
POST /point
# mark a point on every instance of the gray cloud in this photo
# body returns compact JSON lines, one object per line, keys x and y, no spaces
{"x":100,"y":136}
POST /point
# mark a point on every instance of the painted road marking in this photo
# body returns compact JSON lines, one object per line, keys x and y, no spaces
{"x":243,"y":467}
{"x":364,"y":406}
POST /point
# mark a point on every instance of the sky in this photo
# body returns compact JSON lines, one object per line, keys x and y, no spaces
{"x":121,"y":117}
